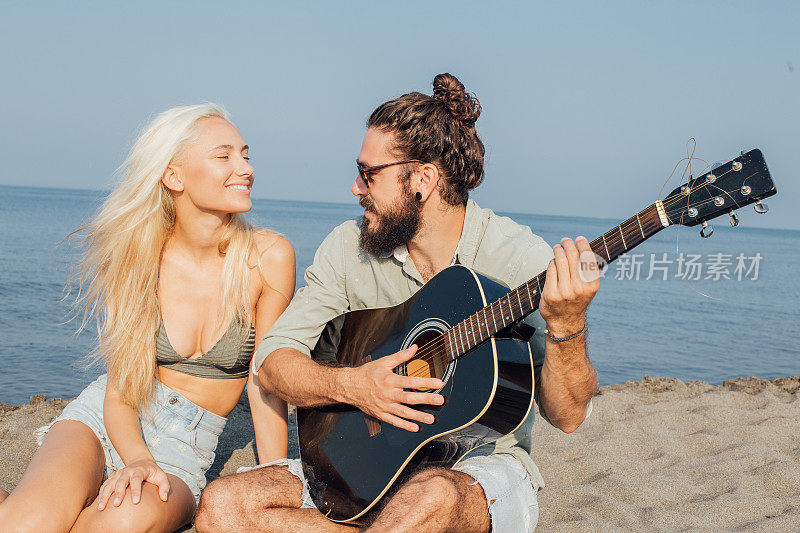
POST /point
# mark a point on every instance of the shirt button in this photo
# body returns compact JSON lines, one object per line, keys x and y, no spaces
{"x":173,"y":400}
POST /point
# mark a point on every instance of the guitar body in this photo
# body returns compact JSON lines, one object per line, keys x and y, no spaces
{"x":351,"y":460}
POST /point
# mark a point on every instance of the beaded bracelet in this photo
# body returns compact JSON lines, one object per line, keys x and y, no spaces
{"x":568,"y":337}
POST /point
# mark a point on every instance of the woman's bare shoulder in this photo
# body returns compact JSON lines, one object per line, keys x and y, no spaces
{"x":274,"y":261}
{"x":272,"y":247}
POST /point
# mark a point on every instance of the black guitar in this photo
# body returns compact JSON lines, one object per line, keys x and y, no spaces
{"x":468,"y":332}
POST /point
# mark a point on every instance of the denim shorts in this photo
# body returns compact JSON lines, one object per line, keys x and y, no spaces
{"x":513,"y":507}
{"x":181,"y":435}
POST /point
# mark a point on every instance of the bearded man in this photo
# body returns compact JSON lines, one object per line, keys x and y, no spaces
{"x":419,"y":159}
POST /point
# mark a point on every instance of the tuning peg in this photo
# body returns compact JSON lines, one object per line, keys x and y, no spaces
{"x":734,"y":218}
{"x":707,"y":230}
{"x":760,"y":208}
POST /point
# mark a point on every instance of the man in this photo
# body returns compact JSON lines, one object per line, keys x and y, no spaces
{"x":419,"y":158}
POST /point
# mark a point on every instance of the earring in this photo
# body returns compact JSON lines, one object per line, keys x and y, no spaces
{"x":419,"y":196}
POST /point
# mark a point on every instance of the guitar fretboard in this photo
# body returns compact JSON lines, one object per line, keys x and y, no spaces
{"x":524,"y":300}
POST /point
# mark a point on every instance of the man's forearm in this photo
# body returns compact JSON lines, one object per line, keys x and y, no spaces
{"x":291,"y":375}
{"x":567,"y":383}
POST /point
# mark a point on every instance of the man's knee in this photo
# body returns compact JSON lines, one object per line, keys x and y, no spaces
{"x":216,"y":506}
{"x":437,"y":487}
{"x":225,"y":500}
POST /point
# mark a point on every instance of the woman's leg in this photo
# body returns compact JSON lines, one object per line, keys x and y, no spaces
{"x":61,"y":479}
{"x":149,"y":515}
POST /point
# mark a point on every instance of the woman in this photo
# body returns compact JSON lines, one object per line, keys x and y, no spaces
{"x":182,"y":288}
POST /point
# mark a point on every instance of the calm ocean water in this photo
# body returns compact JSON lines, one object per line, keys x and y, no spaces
{"x":704,"y":329}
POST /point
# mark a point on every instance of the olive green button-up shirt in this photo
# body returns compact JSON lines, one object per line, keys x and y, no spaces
{"x":345,"y":278}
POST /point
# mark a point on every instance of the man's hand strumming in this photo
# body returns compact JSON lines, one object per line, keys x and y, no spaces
{"x":375,"y":389}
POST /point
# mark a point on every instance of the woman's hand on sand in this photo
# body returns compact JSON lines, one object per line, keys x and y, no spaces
{"x":135,"y":474}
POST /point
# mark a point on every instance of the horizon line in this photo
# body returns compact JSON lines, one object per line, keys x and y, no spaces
{"x":499,"y":211}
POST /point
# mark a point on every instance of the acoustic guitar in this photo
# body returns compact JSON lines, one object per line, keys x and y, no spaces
{"x":469,"y":333}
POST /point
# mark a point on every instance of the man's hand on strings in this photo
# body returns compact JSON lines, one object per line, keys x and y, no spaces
{"x":375,"y":389}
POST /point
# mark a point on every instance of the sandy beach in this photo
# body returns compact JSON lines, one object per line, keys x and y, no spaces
{"x":656,"y":455}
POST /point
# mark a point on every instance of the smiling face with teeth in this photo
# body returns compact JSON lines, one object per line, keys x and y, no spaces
{"x":213,"y":173}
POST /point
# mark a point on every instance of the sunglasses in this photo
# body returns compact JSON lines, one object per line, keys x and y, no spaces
{"x":365,"y":172}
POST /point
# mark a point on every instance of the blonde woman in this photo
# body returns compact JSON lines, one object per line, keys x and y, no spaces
{"x":182,"y":288}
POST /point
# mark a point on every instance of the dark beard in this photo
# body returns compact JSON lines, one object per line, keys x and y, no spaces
{"x":395,"y":227}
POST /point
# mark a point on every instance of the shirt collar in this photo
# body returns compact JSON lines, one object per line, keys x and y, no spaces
{"x":470,"y":234}
{"x":401,"y":253}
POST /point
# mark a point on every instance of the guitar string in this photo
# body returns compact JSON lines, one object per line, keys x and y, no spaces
{"x":669,"y":203}
{"x":439,"y":342}
{"x":726,"y":193}
{"x":688,"y":158}
{"x":632,"y":222}
{"x":614,"y":240}
{"x":688,"y":167}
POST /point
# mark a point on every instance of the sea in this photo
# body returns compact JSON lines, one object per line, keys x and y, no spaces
{"x":677,"y":306}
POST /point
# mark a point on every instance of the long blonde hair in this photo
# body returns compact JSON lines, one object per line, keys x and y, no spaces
{"x":119,"y":268}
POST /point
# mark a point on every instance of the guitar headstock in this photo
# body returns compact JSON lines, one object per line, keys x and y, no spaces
{"x":737,"y":183}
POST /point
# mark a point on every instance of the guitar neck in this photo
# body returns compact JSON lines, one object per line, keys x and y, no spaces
{"x":524,"y":300}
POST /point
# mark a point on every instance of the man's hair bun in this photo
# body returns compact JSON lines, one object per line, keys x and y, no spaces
{"x":464,"y":107}
{"x":438,"y":129}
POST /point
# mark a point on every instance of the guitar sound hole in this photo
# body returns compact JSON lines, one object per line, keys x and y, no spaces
{"x":431,"y":363}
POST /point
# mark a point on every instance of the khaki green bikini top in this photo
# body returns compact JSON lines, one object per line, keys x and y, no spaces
{"x":228,"y":359}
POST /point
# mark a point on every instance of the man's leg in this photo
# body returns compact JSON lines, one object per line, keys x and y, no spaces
{"x":478,"y":495}
{"x":436,"y":500}
{"x":265,"y":499}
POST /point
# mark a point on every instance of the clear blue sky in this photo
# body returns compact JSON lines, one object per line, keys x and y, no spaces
{"x":587,"y":105}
